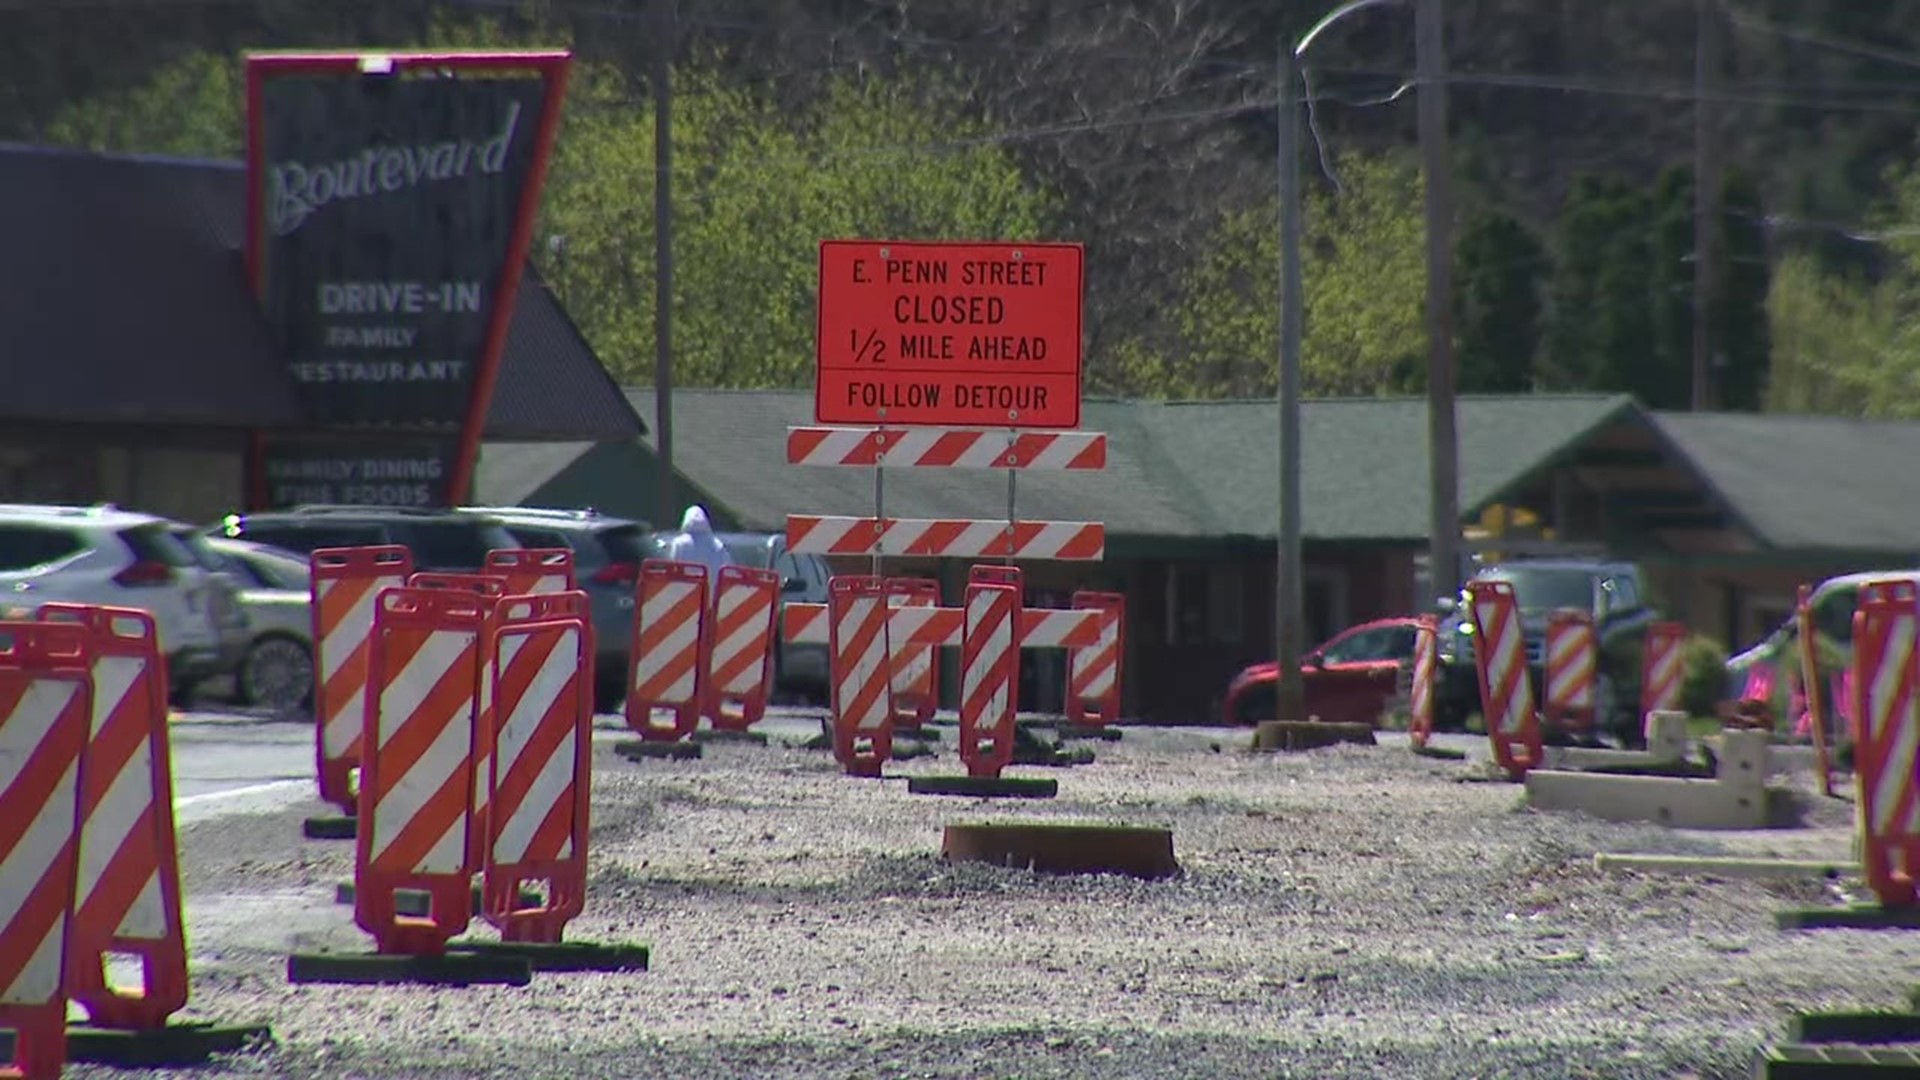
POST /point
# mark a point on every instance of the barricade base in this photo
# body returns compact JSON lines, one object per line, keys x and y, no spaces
{"x":336,"y":827}
{"x":985,"y":787}
{"x":563,"y":956}
{"x":1855,"y":1027}
{"x":1135,"y":851}
{"x":1296,"y":735}
{"x":415,"y":906}
{"x":646,"y":750}
{"x":1100,"y":732}
{"x":1720,"y":866}
{"x":1438,"y":753}
{"x":173,"y":1046}
{"x":1835,"y":1061}
{"x":1676,"y":802}
{"x":445,"y":969}
{"x":728,"y":735}
{"x":1857,"y":917}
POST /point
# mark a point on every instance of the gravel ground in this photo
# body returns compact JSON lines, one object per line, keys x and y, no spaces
{"x":1352,"y":912}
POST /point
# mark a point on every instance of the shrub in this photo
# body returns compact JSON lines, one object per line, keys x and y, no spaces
{"x":1704,"y":683}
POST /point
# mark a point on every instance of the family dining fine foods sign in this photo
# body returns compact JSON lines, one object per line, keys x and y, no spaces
{"x":385,"y":204}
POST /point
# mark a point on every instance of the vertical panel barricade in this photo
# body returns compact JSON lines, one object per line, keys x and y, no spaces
{"x":416,"y":798}
{"x":1573,"y":660}
{"x":1426,"y":657}
{"x":669,"y":627}
{"x":491,"y":587}
{"x":531,"y":571}
{"x":1888,"y":738}
{"x":1500,"y":659}
{"x":913,"y":669}
{"x":127,"y":899}
{"x":1661,"y":669}
{"x":538,"y":828}
{"x":857,"y":647}
{"x":989,"y":672}
{"x":1093,"y":673}
{"x":45,"y":708}
{"x":740,"y":646}
{"x":344,"y":584}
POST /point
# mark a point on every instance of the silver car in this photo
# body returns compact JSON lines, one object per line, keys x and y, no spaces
{"x":277,"y":670}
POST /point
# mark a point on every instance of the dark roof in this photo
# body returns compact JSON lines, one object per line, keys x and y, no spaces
{"x":1809,"y":483}
{"x":125,"y":299}
{"x":1174,"y":470}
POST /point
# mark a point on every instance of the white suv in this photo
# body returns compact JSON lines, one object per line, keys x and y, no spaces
{"x":105,"y":555}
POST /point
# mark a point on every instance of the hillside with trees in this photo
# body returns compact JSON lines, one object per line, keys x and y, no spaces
{"x":1144,"y":129}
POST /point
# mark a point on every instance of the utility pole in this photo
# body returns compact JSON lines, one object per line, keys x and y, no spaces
{"x":1289,"y":615}
{"x":1443,"y":560}
{"x":664,"y":24}
{"x":1707,"y":215}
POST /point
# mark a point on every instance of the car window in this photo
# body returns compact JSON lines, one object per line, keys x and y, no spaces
{"x":531,"y":537}
{"x":455,"y":545}
{"x":748,"y":549}
{"x":1365,"y":646}
{"x":1546,"y":589}
{"x":1833,"y":615}
{"x":203,"y":553}
{"x":1626,"y":594}
{"x":787,"y":565}
{"x":24,"y":546}
{"x":818,"y":570}
{"x":627,"y":543}
{"x":156,"y":544}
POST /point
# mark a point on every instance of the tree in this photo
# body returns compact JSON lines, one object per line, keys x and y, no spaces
{"x":1662,"y":378}
{"x":1600,"y":319}
{"x":1499,"y":267}
{"x":1363,"y":273}
{"x":1744,"y":339}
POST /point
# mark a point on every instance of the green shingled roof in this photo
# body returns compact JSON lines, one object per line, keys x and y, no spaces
{"x":1176,"y":470}
{"x":1809,"y":482}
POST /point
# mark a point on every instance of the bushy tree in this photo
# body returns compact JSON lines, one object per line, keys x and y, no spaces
{"x":1499,"y":270}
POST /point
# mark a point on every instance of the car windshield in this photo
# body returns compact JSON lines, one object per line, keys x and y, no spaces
{"x":1540,"y":589}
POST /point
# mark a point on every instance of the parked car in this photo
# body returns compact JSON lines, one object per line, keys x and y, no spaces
{"x":231,"y":630}
{"x":440,"y":540}
{"x":798,"y":669}
{"x":1350,"y":679}
{"x":607,"y":552}
{"x":1612,"y":592}
{"x":277,"y":594}
{"x":108,"y":556}
{"x":1833,"y":602}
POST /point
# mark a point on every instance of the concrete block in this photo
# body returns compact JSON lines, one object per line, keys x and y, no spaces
{"x":1724,"y":867}
{"x":1666,"y":735}
{"x":1666,"y":745}
{"x":1736,"y":798}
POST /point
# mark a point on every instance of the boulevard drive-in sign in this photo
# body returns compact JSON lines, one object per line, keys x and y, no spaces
{"x":385,"y":209}
{"x":949,"y":334}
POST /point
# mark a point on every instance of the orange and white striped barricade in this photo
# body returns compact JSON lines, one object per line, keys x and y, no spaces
{"x":739,"y":647}
{"x":1662,"y":669}
{"x":669,"y":631}
{"x":1887,"y":748}
{"x":416,"y":786}
{"x":862,"y":690}
{"x":1807,"y":645}
{"x":538,"y":828}
{"x":1500,"y":659}
{"x":989,"y":677}
{"x":344,"y":583}
{"x":913,"y":669}
{"x":1093,"y":673}
{"x":1426,"y":660}
{"x":933,"y":448}
{"x":1573,"y":666}
{"x":532,"y":571}
{"x":490,"y":587}
{"x":45,"y":707}
{"x":948,"y":538}
{"x":127,"y":899}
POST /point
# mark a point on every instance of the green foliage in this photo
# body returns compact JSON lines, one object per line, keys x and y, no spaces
{"x":191,"y":107}
{"x":1601,"y":314}
{"x":1744,"y":336}
{"x":1363,"y":286}
{"x":1662,"y":378}
{"x":1499,"y":267}
{"x":1704,"y":682}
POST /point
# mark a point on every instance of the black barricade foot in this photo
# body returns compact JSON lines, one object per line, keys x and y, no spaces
{"x":1855,"y":1027}
{"x":173,"y":1046}
{"x":415,"y":905}
{"x":338,"y":827}
{"x":447,"y":969}
{"x":563,"y":956}
{"x":1439,"y":753}
{"x":910,"y":748}
{"x":722,"y":735}
{"x":645,"y":750}
{"x":1858,"y":917}
{"x":1102,"y":732}
{"x":1836,"y":1061}
{"x":985,"y":787}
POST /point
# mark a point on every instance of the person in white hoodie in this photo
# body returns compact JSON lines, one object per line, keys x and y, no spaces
{"x":695,"y":542}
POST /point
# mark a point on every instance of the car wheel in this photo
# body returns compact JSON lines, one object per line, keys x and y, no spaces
{"x":277,"y":674}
